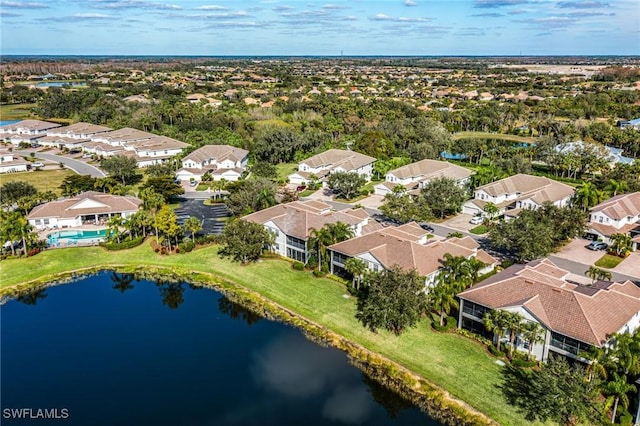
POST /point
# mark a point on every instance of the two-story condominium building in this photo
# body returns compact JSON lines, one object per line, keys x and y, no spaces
{"x":416,"y":175}
{"x":617,"y":215}
{"x":331,"y":161}
{"x":292,"y":224}
{"x":91,"y":207}
{"x":154,"y":150}
{"x":220,"y":161}
{"x":519,"y":192}
{"x":405,"y":246}
{"x":574,"y":317}
{"x":28,"y":131}
{"x":80,"y":130}
{"x":10,"y":163}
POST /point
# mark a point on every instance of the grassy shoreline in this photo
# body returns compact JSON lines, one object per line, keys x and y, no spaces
{"x":444,"y":361}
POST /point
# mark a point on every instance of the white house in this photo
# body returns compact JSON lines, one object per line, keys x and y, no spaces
{"x":221,"y":161}
{"x":331,"y":161}
{"x":617,"y":215}
{"x":574,"y":317}
{"x":417,"y":175}
{"x":56,"y":141}
{"x":10,"y":163}
{"x":87,"y":208}
{"x":405,"y":246}
{"x":121,"y":137}
{"x":25,"y":131}
{"x":518,"y":192}
{"x":292,"y":224}
{"x":155,"y":150}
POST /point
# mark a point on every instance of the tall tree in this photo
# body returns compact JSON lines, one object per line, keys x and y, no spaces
{"x":166,"y":222}
{"x":357,"y":268}
{"x":597,"y":274}
{"x":616,"y":392}
{"x":193,"y":225}
{"x":496,"y":321}
{"x":120,"y":167}
{"x":442,"y":298}
{"x":532,"y":333}
{"x":346,"y":184}
{"x":444,"y":196}
{"x":12,"y":191}
{"x":245,"y":241}
{"x":587,"y":195}
{"x":393,"y":299}
{"x":622,"y":243}
{"x":557,"y":391}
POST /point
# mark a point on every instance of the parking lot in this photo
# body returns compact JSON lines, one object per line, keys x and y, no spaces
{"x":577,"y":251}
{"x":460,"y":222}
{"x":212,"y":217}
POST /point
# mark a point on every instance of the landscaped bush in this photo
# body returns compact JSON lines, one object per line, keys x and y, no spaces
{"x":523,"y":363}
{"x":495,"y":352}
{"x":126,"y":244}
{"x":186,"y":247}
{"x":298,"y":266}
{"x":33,"y":252}
{"x":318,"y":274}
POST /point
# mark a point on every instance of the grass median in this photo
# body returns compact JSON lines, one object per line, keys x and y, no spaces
{"x":457,"y":364}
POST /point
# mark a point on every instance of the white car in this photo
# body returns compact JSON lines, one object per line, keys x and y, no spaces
{"x":38,"y":164}
{"x":476,"y":220}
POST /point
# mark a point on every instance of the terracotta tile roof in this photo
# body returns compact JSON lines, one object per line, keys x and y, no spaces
{"x":296,"y":219}
{"x":431,"y":169}
{"x":587,"y":313}
{"x":90,"y":202}
{"x":392,"y":246}
{"x":537,"y":188}
{"x":123,"y":135}
{"x":620,"y":206}
{"x":608,"y":230}
{"x":332,"y":158}
{"x":157,"y":143}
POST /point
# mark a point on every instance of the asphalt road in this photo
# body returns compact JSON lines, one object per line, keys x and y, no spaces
{"x":212,"y":217}
{"x":77,"y":166}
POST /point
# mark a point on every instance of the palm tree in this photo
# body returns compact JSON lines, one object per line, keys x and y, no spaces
{"x":597,"y":274}
{"x":265,"y":199}
{"x":532,"y":333}
{"x":514,"y":322}
{"x":616,"y":392}
{"x":457,"y":271}
{"x":356,"y":267}
{"x":339,"y":232}
{"x":615,"y":186}
{"x":491,"y":210}
{"x":193,"y":225}
{"x":587,"y":195}
{"x":622,"y":243}
{"x":442,"y":297}
{"x":114,"y":223}
{"x":318,"y":241}
{"x":600,"y":359}
{"x":496,"y":321}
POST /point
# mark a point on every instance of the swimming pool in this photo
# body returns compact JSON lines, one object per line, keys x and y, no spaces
{"x":67,"y":237}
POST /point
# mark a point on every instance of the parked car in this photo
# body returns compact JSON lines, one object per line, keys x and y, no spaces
{"x":87,"y":155}
{"x":476,"y":220}
{"x":38,"y":164}
{"x":426,"y":227}
{"x":598,"y":245}
{"x":193,"y":183}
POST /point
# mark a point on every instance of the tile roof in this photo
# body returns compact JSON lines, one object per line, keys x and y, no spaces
{"x":537,"y":188}
{"x":587,"y":313}
{"x":30,"y":125}
{"x":333,"y":158}
{"x":90,"y":202}
{"x":297,"y":218}
{"x":620,"y":206}
{"x":431,"y":169}
{"x":82,"y":128}
{"x":218,"y":152}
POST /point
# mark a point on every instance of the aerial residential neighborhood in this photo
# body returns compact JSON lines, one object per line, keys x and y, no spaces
{"x":432,"y":213}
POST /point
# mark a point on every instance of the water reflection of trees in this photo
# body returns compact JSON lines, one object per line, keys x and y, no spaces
{"x":392,"y":402}
{"x":122,"y":282}
{"x":237,"y":311}
{"x":32,"y":297}
{"x":172,"y":293}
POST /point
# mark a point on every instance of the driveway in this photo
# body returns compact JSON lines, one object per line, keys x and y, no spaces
{"x":576,"y":251}
{"x":459,"y":222}
{"x":630,"y":266}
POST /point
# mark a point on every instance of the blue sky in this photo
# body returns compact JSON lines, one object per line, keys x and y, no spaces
{"x":309,"y":27}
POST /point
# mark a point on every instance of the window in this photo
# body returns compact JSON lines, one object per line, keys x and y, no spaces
{"x":568,"y":344}
{"x":339,"y":258}
{"x":296,"y":255}
{"x":296,"y":242}
{"x":474,"y":309}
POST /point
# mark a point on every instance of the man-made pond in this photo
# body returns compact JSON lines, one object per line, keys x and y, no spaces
{"x":110,"y":350}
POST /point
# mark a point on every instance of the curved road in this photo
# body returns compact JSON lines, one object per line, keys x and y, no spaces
{"x":77,"y":166}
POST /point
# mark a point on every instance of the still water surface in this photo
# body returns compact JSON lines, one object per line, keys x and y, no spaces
{"x":115,"y":351}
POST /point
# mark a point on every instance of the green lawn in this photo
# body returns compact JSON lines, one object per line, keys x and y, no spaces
{"x":285,"y":169}
{"x":457,"y":364}
{"x":16,"y":111}
{"x":488,"y":135}
{"x":43,"y":180}
{"x":608,"y":261}
{"x":479,"y":230}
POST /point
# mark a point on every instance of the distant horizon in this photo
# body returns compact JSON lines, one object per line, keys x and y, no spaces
{"x":292,"y":28}
{"x":373,"y":56}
